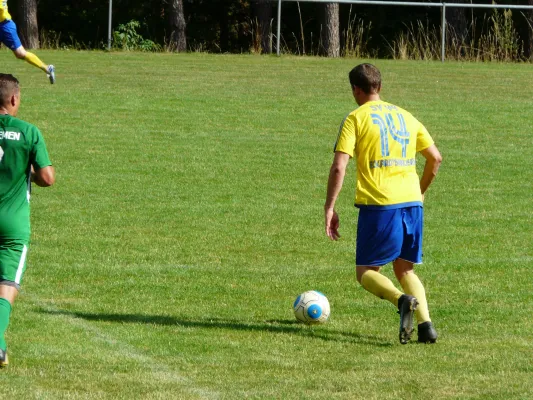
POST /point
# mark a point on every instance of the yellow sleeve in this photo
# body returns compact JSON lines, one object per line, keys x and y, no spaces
{"x":4,"y":14}
{"x":423,"y":139}
{"x":346,"y":139}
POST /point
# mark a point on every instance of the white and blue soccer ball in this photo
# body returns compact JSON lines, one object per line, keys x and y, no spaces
{"x":311,"y":307}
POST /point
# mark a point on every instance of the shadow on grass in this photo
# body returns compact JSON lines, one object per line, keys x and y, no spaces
{"x":276,"y":326}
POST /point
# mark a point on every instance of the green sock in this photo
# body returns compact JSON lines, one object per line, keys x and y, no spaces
{"x":5,"y":313}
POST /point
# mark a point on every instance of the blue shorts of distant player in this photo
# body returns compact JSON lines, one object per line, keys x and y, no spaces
{"x":9,"y":35}
{"x":385,"y":235}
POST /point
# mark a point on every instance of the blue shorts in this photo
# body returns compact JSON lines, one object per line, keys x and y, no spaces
{"x":9,"y":35}
{"x":385,"y":235}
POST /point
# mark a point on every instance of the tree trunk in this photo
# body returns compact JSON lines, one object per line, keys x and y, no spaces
{"x":27,"y":25}
{"x":263,"y":13}
{"x":457,"y":20}
{"x":528,"y":39}
{"x":178,"y":40}
{"x":331,"y":36}
{"x":223,"y":22}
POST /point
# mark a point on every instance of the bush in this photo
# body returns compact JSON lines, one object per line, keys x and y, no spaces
{"x":127,"y":38}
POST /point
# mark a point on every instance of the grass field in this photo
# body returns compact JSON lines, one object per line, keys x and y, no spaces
{"x":187,"y":216}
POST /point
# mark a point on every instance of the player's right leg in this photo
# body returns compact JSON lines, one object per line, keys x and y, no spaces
{"x":411,"y":254}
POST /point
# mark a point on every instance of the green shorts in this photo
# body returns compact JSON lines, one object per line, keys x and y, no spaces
{"x":12,"y":261}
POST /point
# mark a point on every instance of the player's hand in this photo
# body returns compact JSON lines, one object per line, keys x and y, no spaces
{"x":423,"y":197}
{"x":332,"y":224}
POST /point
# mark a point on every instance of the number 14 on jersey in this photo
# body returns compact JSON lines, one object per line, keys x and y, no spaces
{"x":387,"y":127}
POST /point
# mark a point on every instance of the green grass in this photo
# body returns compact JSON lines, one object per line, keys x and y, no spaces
{"x":187,"y":216}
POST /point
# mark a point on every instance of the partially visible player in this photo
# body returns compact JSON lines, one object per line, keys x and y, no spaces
{"x":384,"y":140}
{"x":9,"y":37}
{"x":23,"y":159}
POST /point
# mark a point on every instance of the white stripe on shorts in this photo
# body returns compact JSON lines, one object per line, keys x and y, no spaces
{"x":21,"y":265}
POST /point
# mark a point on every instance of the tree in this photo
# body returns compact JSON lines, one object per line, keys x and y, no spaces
{"x":331,"y":36}
{"x":263,"y":14}
{"x":456,"y":19}
{"x":528,"y":40}
{"x":178,"y":40}
{"x":28,"y":27}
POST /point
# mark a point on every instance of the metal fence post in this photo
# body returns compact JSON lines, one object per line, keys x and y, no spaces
{"x":442,"y":5}
{"x":443,"y":36}
{"x":109,"y":25}
{"x":278,"y":40}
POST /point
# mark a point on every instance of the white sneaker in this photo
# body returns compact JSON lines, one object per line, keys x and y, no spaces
{"x":52,"y":74}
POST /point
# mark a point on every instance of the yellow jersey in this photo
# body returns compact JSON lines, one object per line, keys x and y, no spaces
{"x":384,"y":139}
{"x":4,"y":14}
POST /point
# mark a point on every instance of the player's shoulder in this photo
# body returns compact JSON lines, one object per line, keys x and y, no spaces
{"x":406,"y":114}
{"x":22,"y":125}
{"x":401,"y":110}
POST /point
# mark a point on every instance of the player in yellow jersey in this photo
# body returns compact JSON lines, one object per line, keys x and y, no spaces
{"x":384,"y":140}
{"x":9,"y":37}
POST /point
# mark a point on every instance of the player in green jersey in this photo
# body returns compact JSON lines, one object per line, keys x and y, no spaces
{"x":23,"y":159}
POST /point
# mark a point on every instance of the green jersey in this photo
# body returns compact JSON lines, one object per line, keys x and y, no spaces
{"x":21,"y":146}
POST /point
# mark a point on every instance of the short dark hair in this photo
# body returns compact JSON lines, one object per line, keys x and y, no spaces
{"x":366,"y":77}
{"x":9,"y":85}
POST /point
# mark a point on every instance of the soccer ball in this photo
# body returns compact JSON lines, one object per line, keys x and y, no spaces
{"x":311,"y":307}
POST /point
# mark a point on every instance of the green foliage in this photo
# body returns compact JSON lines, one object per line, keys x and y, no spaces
{"x":502,"y":42}
{"x":496,"y":40}
{"x":126,"y":37}
{"x":50,"y":39}
{"x":417,"y":42}
{"x":230,"y":26}
{"x":356,"y":37}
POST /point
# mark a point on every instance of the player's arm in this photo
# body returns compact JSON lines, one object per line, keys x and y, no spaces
{"x":43,"y":177}
{"x":433,"y":161}
{"x":335,"y":181}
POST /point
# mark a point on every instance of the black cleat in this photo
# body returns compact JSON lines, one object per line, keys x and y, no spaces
{"x":3,"y":358}
{"x":406,"y":306}
{"x":427,"y":333}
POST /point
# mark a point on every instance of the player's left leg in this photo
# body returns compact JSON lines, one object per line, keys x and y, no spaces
{"x":8,"y":294}
{"x":12,"y":267}
{"x":375,"y":246}
{"x":21,"y":53}
{"x":379,"y":241}
{"x":379,"y":285}
{"x":382,"y":287}
{"x":9,"y":35}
